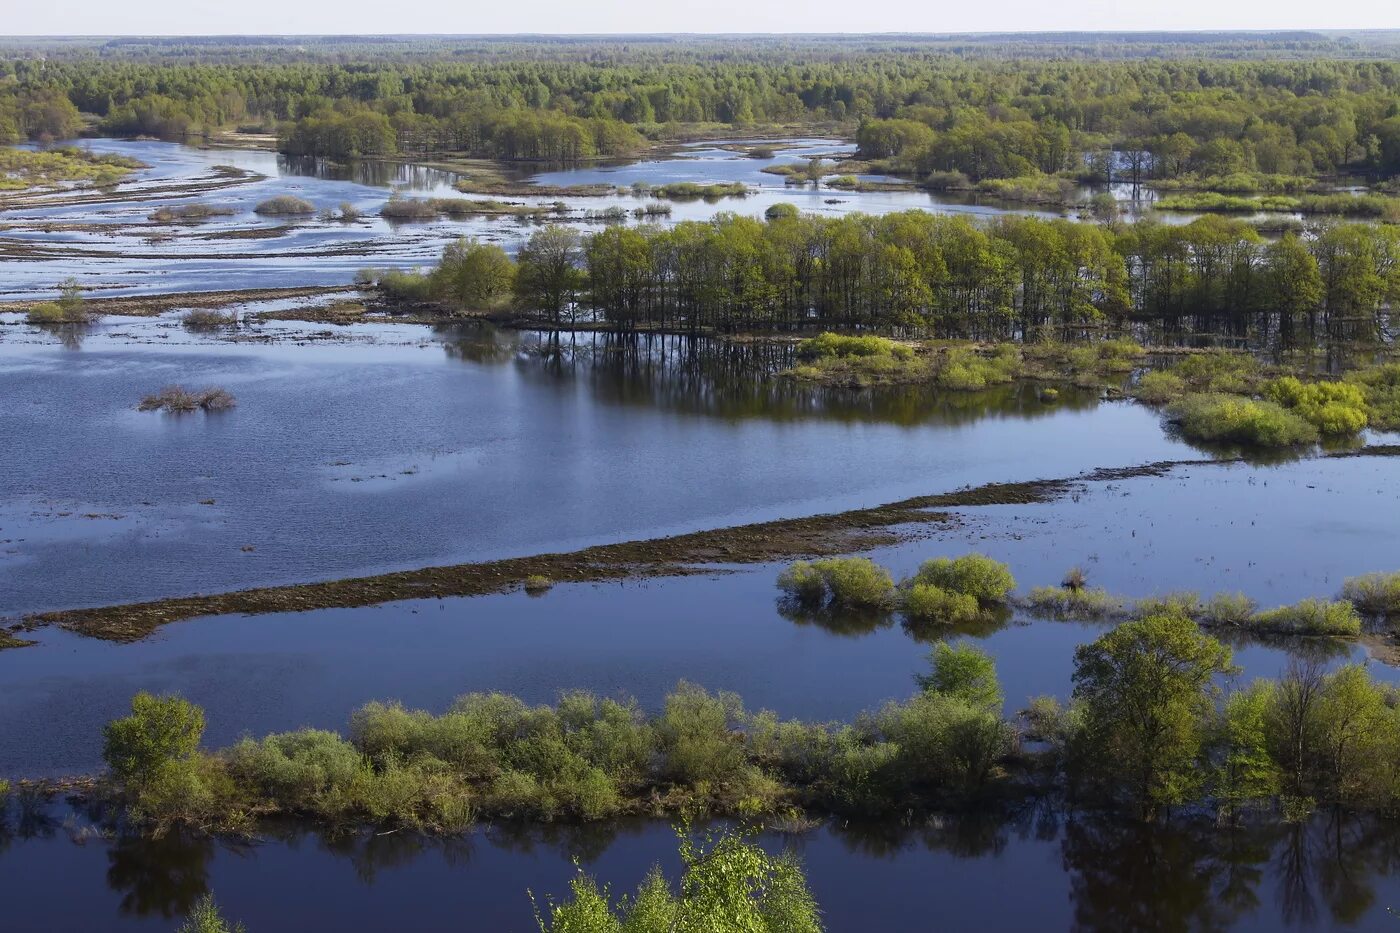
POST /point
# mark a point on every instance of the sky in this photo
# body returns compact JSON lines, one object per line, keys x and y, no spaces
{"x":302,"y":17}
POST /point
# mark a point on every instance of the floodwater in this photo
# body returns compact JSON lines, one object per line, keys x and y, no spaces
{"x":1035,"y":870}
{"x":111,"y":248}
{"x":375,"y":447}
{"x":400,"y":447}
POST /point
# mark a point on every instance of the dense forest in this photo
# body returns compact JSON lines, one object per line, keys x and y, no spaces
{"x":925,"y":274}
{"x":1200,"y":106}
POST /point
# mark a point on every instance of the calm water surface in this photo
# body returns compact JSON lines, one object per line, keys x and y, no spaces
{"x":1038,"y":870}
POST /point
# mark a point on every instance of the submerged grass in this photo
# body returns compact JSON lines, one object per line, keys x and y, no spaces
{"x":179,"y":400}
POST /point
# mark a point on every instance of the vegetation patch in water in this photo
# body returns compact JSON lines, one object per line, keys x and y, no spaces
{"x":850,"y":582}
{"x":179,"y":400}
{"x":23,"y":169}
{"x":70,"y":308}
{"x":1374,"y":593}
{"x":188,"y":213}
{"x":286,"y":204}
{"x":1064,"y":602}
{"x":1233,"y":419}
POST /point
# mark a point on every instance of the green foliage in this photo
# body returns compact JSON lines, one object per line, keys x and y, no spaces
{"x":929,"y":603}
{"x":1334,"y":408}
{"x":1374,"y":593}
{"x":965,"y":672}
{"x":1382,"y":389}
{"x":728,"y":885}
{"x":1186,"y":605}
{"x":1081,"y":602}
{"x":1146,"y":689}
{"x":1228,"y":609}
{"x":828,"y":345}
{"x":975,"y":575}
{"x":964,"y":369}
{"x":1309,"y":617}
{"x":844,"y":582}
{"x":1235,"y":420}
{"x":1158,"y":387}
{"x":204,"y":917}
{"x":160,"y":730}
{"x":1245,"y":770}
{"x":474,"y":275}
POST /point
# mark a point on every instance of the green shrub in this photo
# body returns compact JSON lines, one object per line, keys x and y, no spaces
{"x":1382,"y":389}
{"x":1063,"y":602}
{"x":695,"y":737}
{"x":841,"y":346}
{"x":1218,"y":371}
{"x":1231,"y":419}
{"x":926,"y":602}
{"x":964,"y":369}
{"x":946,"y":746}
{"x":1334,"y":408}
{"x":160,"y":730}
{"x":966,"y":672}
{"x":1159,"y":387}
{"x":1374,"y":593}
{"x":728,"y":885}
{"x":1228,"y":609}
{"x":296,"y":770}
{"x":1310,"y":617}
{"x":204,"y":917}
{"x":1184,"y":604}
{"x":849,"y":582}
{"x":975,"y":575}
{"x":537,"y":584}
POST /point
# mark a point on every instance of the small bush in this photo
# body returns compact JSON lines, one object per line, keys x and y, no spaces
{"x":179,"y":400}
{"x":1334,"y":408}
{"x":1185,"y":604}
{"x":842,"y":346}
{"x":1228,"y":609}
{"x":927,"y":602}
{"x":964,"y":671}
{"x":68,"y":309}
{"x":849,"y":582}
{"x":1063,"y":602}
{"x":964,"y":369}
{"x":1374,"y":593}
{"x":976,"y":575}
{"x":208,"y":319}
{"x":538,"y":584}
{"x":188,"y":213}
{"x":1231,"y":419}
{"x":1159,"y":387}
{"x":1310,"y":617}
{"x":285,"y":204}
{"x":204,"y":917}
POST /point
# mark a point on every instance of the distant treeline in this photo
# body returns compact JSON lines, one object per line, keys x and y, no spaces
{"x":947,"y":276}
{"x":1177,"y":108}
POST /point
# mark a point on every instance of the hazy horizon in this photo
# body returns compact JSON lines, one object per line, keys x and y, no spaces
{"x":90,"y":18}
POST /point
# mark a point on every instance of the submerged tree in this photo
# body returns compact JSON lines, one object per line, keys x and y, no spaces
{"x":729,"y":885}
{"x":1146,"y":691}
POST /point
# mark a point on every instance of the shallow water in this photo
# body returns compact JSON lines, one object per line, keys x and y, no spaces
{"x":111,"y":248}
{"x":359,"y":456}
{"x":1083,"y":873}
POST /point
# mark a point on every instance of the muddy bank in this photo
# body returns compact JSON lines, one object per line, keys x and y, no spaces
{"x":152,"y":305}
{"x":680,"y":555}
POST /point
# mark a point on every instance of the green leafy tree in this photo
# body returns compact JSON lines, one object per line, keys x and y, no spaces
{"x":160,"y":730}
{"x":1146,"y":691}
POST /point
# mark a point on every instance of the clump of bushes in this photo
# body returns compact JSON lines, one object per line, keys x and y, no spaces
{"x":964,"y":369}
{"x":1159,"y":386}
{"x":1374,"y":593}
{"x":1081,"y":602}
{"x":987,"y":581}
{"x":1227,"y":609}
{"x":690,"y":191}
{"x":855,"y":361}
{"x":1334,"y":408}
{"x":1185,"y":604}
{"x":728,"y":883}
{"x":188,"y":213}
{"x":537,"y":584}
{"x":208,"y":319}
{"x":1218,"y":371}
{"x":1381,"y":385}
{"x":1309,"y":617}
{"x":1215,"y":417}
{"x":828,"y":345}
{"x":68,"y":309}
{"x":178,"y":400}
{"x":286,"y":204}
{"x":840,"y":582}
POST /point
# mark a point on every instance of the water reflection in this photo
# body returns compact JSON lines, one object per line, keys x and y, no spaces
{"x":734,"y":379}
{"x":1108,"y":874}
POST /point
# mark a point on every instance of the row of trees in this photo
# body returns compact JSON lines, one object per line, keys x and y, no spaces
{"x":946,"y":276}
{"x":993,"y":116}
{"x":1149,"y":726}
